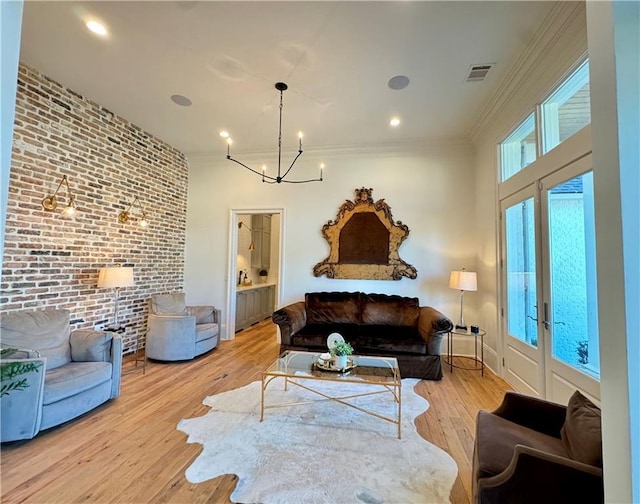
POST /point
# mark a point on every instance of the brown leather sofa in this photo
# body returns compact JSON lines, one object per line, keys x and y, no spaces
{"x":530,"y":451}
{"x":374,"y":324}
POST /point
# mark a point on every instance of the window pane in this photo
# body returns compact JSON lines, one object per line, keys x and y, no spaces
{"x":573,"y":275}
{"x":521,"y":272}
{"x":519,"y":149}
{"x":567,"y":110}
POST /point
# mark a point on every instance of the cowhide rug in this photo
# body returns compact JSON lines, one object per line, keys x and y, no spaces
{"x":323,"y":452}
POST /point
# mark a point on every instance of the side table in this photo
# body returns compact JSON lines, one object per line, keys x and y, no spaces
{"x":121,"y":330}
{"x":478,"y":363}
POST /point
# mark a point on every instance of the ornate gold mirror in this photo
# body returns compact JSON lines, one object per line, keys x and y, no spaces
{"x":364,"y":242}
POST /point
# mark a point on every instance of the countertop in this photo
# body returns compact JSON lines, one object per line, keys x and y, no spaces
{"x":240,"y":288}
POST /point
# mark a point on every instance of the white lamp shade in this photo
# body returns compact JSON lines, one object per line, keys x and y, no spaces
{"x":115,"y":277}
{"x":463,"y":280}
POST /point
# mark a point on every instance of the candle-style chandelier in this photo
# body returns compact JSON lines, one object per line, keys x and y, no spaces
{"x":280,"y":178}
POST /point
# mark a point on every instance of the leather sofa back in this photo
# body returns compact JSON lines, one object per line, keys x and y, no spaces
{"x":361,"y":308}
{"x":333,"y":308}
{"x":382,"y":309}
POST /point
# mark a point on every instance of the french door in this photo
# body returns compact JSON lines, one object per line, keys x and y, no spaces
{"x":549,"y":311}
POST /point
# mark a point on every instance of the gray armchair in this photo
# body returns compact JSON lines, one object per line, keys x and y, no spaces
{"x":62,"y":375}
{"x":179,"y":332}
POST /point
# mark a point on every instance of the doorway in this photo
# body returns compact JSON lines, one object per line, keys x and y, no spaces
{"x":548,"y":270}
{"x":247,"y":247}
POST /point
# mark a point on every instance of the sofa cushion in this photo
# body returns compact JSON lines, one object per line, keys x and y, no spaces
{"x":497,"y":438}
{"x":333,"y":307}
{"x":315,"y":335}
{"x":73,"y":378}
{"x":46,"y":331}
{"x":205,"y":331}
{"x":173,"y":303}
{"x":383,"y":338}
{"x":383,"y":309}
{"x":582,"y":432}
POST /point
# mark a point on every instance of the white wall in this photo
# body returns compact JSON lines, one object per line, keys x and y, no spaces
{"x":614,"y":39}
{"x":429,"y":188}
{"x":10,"y":30}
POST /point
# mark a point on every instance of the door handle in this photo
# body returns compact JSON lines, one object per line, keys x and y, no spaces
{"x":546,"y":322}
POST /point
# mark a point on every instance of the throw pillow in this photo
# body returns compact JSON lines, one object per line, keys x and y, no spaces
{"x":581,"y":433}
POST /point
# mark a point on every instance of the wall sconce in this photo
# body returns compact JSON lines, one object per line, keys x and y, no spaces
{"x":125,"y":216}
{"x":50,"y":203}
{"x":251,"y":245}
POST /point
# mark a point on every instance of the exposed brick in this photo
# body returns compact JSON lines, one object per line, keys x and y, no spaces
{"x":51,"y":260}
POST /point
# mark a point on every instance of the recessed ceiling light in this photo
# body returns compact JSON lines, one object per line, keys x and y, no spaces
{"x":394,"y":121}
{"x":398,"y":82}
{"x":224,"y":134}
{"x":183,"y":101}
{"x":97,"y":28}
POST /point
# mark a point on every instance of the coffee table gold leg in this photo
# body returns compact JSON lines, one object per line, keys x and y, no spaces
{"x":262,"y":401}
{"x":400,"y":412}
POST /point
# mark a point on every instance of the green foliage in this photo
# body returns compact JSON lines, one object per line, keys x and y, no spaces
{"x":341,"y":348}
{"x":583,"y":352}
{"x":9,"y":371}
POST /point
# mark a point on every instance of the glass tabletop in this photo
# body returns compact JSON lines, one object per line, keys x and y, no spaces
{"x":367,"y":369}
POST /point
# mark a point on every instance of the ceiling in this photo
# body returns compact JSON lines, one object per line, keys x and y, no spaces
{"x":336,"y":57}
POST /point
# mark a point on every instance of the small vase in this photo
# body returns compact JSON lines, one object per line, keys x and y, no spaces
{"x":340,"y":361}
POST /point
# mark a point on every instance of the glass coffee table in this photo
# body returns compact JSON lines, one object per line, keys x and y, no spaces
{"x":381,"y":374}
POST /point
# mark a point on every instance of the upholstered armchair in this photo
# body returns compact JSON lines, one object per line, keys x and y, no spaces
{"x":52,"y":374}
{"x":530,"y":450}
{"x":179,"y":332}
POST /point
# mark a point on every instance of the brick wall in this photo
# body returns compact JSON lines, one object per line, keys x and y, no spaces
{"x":52,"y":260}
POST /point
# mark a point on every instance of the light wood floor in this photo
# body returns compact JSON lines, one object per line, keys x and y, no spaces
{"x":129,"y":451}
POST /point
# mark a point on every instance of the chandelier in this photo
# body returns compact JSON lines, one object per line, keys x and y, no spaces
{"x":280,"y":86}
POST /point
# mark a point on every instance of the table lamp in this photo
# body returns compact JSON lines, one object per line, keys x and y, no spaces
{"x":115,"y":277}
{"x":463,"y":280}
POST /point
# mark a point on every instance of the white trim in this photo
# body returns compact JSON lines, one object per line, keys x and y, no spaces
{"x":462,"y":146}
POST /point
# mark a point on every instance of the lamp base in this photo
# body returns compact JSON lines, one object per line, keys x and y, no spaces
{"x":458,"y":326}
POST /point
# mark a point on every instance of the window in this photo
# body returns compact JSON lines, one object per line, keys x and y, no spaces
{"x":567,"y":110}
{"x":519,"y":149}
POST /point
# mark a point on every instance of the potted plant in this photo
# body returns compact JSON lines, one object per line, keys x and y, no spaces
{"x":263,"y":273}
{"x":340,"y":351}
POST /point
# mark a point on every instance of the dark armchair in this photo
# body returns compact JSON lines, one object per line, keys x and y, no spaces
{"x":530,"y":450}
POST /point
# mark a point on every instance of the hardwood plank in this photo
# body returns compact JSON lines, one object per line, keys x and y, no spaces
{"x":129,"y":450}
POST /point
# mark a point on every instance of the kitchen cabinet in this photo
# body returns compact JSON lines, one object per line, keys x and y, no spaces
{"x":253,"y":305}
{"x":261,"y":236}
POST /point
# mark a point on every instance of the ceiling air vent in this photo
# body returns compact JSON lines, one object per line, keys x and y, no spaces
{"x":477,"y":73}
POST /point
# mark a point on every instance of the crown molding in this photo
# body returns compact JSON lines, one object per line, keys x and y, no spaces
{"x":459,"y":146}
{"x":558,"y":24}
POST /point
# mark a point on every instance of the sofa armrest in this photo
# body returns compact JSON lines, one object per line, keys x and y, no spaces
{"x":535,"y":476}
{"x":203,"y":314}
{"x":433,"y":325}
{"x":290,"y":319}
{"x":90,"y":346}
{"x":537,"y":414}
{"x":22,"y":384}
